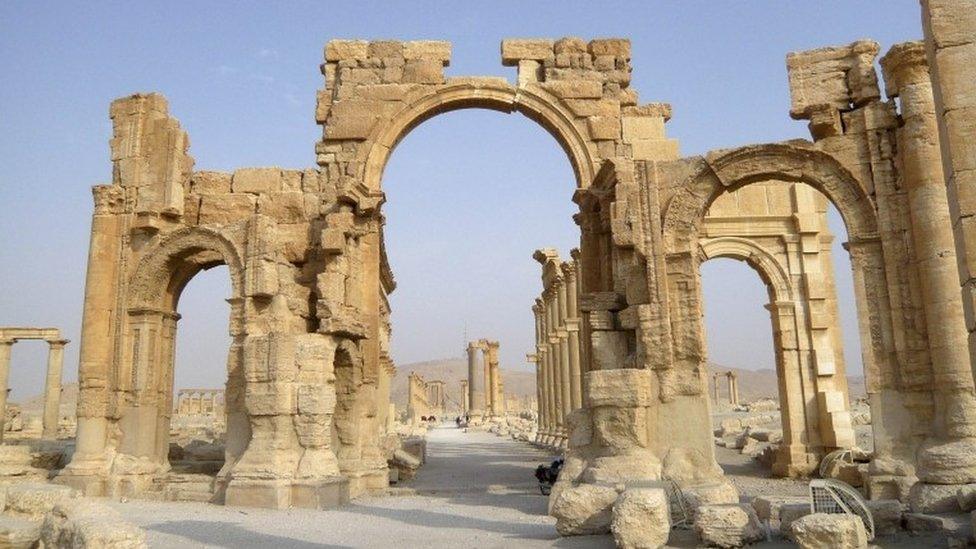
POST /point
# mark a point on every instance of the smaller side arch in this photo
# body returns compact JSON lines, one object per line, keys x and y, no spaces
{"x":164,"y":270}
{"x":769,"y":268}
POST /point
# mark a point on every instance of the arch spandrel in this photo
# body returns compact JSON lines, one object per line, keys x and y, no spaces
{"x":728,"y":170}
{"x":533,"y":101}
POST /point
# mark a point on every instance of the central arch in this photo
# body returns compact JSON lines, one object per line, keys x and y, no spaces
{"x":481,"y":93}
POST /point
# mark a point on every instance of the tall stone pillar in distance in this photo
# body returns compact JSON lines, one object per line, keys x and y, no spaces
{"x":573,"y":324}
{"x":52,"y":387}
{"x":533,"y":359}
{"x":920,"y":163}
{"x":465,"y":400}
{"x":476,"y":389}
{"x":5,"y":346}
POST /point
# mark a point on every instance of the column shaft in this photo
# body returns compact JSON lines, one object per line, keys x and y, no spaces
{"x":52,"y":388}
{"x":5,"y":346}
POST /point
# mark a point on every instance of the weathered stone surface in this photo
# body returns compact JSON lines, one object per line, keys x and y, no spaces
{"x":767,"y":507}
{"x":716,"y":493}
{"x":822,"y":530}
{"x":19,"y":533}
{"x":790,"y":512}
{"x":33,"y":500}
{"x":934,"y":498}
{"x":641,"y":519}
{"x":730,"y":525}
{"x":85,"y":524}
{"x":584,"y":510}
{"x":887,"y":516}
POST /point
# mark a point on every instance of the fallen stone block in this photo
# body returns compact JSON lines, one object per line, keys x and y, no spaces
{"x":641,"y":519}
{"x":933,"y":498}
{"x":790,"y":512}
{"x":709,"y":494}
{"x":887,"y":516}
{"x":584,"y":510}
{"x":767,"y":507}
{"x":837,"y":531}
{"x":86,"y":524}
{"x":731,"y":525}
{"x":34,"y":500}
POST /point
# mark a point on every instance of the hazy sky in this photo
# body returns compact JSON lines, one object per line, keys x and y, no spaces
{"x":471,"y":194}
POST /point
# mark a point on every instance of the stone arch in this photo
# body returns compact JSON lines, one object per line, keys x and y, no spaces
{"x":165,"y":269}
{"x":770,"y":270}
{"x":143,"y":375}
{"x":492,"y":94}
{"x":682,"y":221}
{"x":727,"y":171}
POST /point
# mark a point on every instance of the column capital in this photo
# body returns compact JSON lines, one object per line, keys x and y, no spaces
{"x":573,"y":324}
{"x":10,"y":341}
{"x":905,"y":64}
{"x":58,"y":343}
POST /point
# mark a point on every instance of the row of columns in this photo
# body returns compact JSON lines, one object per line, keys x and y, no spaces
{"x":484,"y":385}
{"x":200,"y":402}
{"x":52,"y":380}
{"x":557,"y":361}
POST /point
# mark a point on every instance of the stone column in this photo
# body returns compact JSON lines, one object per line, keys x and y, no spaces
{"x":715,"y":387}
{"x":465,"y":401}
{"x":950,"y":41}
{"x":52,"y":387}
{"x":907,"y":77}
{"x":5,"y":346}
{"x":553,"y":355}
{"x":476,"y":392}
{"x":572,"y":323}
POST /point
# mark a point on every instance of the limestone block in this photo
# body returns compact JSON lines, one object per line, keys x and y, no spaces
{"x":338,"y":50}
{"x":514,"y":50}
{"x":617,"y":47}
{"x":840,"y":531}
{"x":19,"y":533}
{"x":256,"y":180}
{"x":584,"y":510}
{"x":621,"y":387}
{"x":603,"y":127}
{"x":637,"y":464}
{"x":950,"y":463}
{"x":714,"y":493}
{"x":434,"y":50}
{"x":350,"y":127}
{"x":790,"y":512}
{"x":933,"y":498}
{"x":887,"y":516}
{"x":283,"y":207}
{"x":33,"y":500}
{"x":732,"y":525}
{"x":423,"y":71}
{"x":834,"y":76}
{"x":622,"y":428}
{"x":86,"y":524}
{"x":210,"y":182}
{"x":767,"y":507}
{"x":575,"y":89}
{"x":221,"y":209}
{"x":641,"y":519}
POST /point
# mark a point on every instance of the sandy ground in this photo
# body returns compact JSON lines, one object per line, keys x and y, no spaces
{"x":476,"y":490}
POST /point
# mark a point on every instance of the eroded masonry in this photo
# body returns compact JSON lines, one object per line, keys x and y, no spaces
{"x":623,"y":382}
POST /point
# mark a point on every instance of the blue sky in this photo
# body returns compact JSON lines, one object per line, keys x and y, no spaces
{"x":471,"y":193}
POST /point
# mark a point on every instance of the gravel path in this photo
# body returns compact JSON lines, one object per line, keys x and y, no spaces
{"x":476,"y":490}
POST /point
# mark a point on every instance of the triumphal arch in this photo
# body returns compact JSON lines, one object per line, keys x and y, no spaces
{"x":308,"y":372}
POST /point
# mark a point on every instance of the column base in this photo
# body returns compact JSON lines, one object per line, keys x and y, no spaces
{"x":325,"y":493}
{"x":795,"y":461}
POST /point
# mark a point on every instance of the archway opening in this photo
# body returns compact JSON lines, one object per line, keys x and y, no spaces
{"x":198,"y":427}
{"x":495,"y":188}
{"x":779,"y":376}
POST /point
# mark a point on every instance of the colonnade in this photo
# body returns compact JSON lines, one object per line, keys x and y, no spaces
{"x":558,"y":365}
{"x":732,"y":380}
{"x":52,"y":380}
{"x":486,"y":397}
{"x":200,"y":402}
